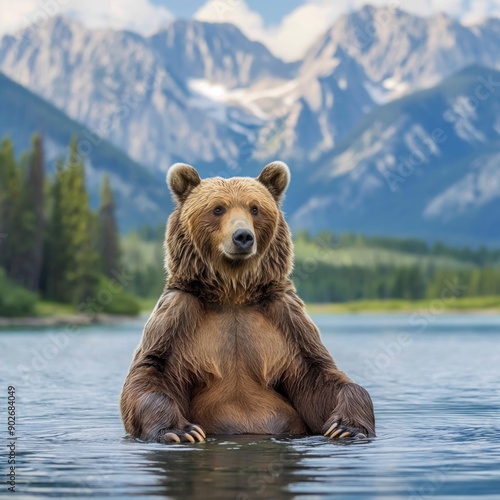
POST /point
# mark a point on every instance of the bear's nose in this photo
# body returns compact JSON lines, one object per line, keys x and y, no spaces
{"x":243,"y":238}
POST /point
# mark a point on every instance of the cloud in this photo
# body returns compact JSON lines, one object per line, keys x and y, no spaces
{"x":231,"y":11}
{"x":300,"y":29}
{"x":287,"y":40}
{"x":296,"y":32}
{"x":464,"y":10}
{"x":482,"y":9}
{"x":304,"y":25}
{"x":135,"y":15}
{"x":14,"y":15}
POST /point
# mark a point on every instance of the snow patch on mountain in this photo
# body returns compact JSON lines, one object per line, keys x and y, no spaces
{"x":477,"y":188}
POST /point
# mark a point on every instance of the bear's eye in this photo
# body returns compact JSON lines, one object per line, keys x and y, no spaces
{"x":254,"y":210}
{"x":218,"y":210}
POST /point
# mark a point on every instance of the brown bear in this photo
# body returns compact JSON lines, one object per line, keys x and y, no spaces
{"x":229,"y":347}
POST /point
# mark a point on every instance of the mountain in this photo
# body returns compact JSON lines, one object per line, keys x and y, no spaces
{"x":318,"y":108}
{"x":425,"y":165}
{"x":194,"y":92}
{"x":141,"y":196}
{"x":198,"y":91}
{"x":217,"y":54}
{"x":144,"y":94}
{"x":113,"y":83}
{"x":401,"y":52}
{"x":362,"y":104}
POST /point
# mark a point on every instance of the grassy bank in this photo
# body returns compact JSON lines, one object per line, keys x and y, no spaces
{"x":463,"y":304}
{"x":51,"y":313}
{"x":47,"y":309}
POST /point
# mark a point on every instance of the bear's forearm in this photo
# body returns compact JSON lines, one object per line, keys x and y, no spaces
{"x":323,"y":397}
{"x":319,"y":391}
{"x":353,"y":408}
{"x":314,"y":393}
{"x":148,"y":406}
{"x":155,"y":393}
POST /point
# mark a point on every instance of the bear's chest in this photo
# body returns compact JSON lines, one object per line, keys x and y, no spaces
{"x":239,"y":343}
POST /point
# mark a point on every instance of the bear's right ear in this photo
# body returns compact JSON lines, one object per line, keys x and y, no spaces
{"x":276,"y":177}
{"x":181,"y":180}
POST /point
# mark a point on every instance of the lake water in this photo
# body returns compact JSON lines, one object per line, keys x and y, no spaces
{"x":435,"y":383}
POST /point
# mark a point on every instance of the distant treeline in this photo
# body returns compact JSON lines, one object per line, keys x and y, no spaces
{"x":316,"y":281}
{"x":326,"y":283}
{"x":476,"y":271}
{"x":55,"y":247}
{"x":480,"y":256}
{"x":52,"y":244}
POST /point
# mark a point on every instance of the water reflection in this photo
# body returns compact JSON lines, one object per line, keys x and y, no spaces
{"x":241,"y":467}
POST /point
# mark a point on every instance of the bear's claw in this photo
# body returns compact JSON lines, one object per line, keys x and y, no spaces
{"x":191,"y":433}
{"x":198,"y":436}
{"x":331,"y":428}
{"x":337,"y":430}
{"x":199,"y":430}
{"x":170,"y":436}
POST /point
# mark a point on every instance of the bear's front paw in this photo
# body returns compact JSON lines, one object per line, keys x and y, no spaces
{"x":353,"y":414}
{"x":336,"y":428}
{"x":191,"y":433}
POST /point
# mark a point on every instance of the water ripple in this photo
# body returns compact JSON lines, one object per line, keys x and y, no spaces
{"x":437,"y":403}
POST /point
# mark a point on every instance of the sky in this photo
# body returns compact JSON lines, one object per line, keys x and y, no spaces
{"x":286,"y":27}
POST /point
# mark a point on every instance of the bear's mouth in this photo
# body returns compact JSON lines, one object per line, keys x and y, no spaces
{"x":238,"y":255}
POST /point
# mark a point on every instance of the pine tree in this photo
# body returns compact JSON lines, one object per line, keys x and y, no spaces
{"x":36,"y":191}
{"x":27,"y":262}
{"x":10,"y":193}
{"x":408,"y":283}
{"x":57,"y":241}
{"x":82,"y":272}
{"x":22,"y":226}
{"x":73,"y":268}
{"x":108,"y":244}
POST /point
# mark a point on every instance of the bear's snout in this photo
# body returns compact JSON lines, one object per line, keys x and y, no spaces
{"x":240,"y":240}
{"x":243,"y":239}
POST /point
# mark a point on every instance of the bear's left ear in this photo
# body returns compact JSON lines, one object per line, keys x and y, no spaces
{"x":182,"y":179}
{"x":276,"y":177}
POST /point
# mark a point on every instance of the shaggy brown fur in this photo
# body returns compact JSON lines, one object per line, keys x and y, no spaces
{"x":229,"y":348}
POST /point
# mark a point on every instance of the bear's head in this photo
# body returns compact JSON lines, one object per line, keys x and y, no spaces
{"x":227,"y":234}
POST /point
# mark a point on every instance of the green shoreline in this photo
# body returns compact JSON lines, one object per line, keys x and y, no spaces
{"x":487,"y":305}
{"x":478,"y":305}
